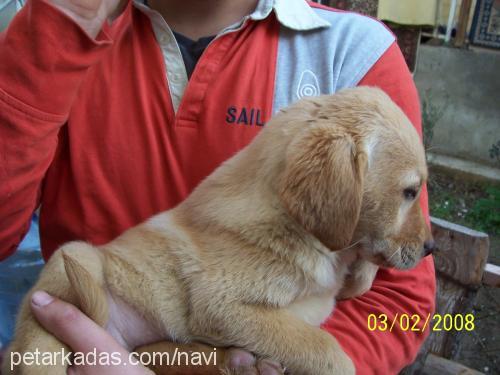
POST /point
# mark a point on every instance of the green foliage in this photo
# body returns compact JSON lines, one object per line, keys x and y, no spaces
{"x":495,"y":151}
{"x":448,"y":207}
{"x":431,"y":114}
{"x":481,"y":213}
{"x":444,"y":207}
{"x":486,"y":211}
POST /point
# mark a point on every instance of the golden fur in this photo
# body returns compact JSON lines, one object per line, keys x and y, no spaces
{"x":254,"y":257}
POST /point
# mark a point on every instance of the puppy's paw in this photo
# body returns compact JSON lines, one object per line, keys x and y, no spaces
{"x":353,"y":290}
{"x":359,"y":281}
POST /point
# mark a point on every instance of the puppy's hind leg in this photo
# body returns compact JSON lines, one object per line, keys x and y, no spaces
{"x":45,"y":354}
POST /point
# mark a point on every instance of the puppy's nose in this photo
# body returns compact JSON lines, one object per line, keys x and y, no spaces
{"x":429,"y":247}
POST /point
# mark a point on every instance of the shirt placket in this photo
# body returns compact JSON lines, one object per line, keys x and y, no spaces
{"x":187,"y":96}
{"x":175,"y":71}
{"x":206,"y":71}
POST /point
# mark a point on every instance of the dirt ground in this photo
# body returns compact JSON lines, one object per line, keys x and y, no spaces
{"x":452,"y":199}
{"x":481,"y":349}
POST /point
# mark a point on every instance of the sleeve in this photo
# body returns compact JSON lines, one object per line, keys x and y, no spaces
{"x":44,"y":57}
{"x":393,"y":291}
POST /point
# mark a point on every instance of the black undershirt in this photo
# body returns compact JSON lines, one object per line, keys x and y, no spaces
{"x":191,"y":50}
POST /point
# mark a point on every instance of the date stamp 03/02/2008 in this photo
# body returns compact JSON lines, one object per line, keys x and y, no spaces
{"x":416,"y":323}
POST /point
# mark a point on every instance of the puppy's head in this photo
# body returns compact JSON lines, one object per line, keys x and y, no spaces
{"x":354,"y":174}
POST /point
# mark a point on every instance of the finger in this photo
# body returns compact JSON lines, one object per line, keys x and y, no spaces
{"x":216,"y":357}
{"x":239,"y":358}
{"x":268,"y":367}
{"x":71,"y":326}
{"x":250,"y":370}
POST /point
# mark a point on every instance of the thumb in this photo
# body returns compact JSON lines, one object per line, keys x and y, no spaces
{"x":82,"y":334}
{"x":70,"y":325}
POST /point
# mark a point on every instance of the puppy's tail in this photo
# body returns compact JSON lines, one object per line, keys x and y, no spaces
{"x":89,"y":292}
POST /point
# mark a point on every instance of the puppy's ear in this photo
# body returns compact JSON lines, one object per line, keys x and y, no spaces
{"x":322,"y":185}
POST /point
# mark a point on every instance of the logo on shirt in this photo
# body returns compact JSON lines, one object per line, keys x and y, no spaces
{"x":244,"y":116}
{"x":308,"y":85}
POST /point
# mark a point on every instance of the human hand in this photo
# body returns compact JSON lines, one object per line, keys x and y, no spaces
{"x":90,"y":15}
{"x":241,"y":362}
{"x":82,"y":334}
{"x":231,"y":361}
{"x":67,"y":323}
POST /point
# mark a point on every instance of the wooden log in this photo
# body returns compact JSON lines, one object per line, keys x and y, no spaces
{"x":491,"y":275}
{"x":435,"y":365}
{"x":452,"y":299}
{"x":463,"y":21}
{"x":460,"y":261}
{"x":461,"y":253}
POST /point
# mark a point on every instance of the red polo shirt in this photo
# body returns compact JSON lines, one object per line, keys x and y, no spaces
{"x":91,"y":131}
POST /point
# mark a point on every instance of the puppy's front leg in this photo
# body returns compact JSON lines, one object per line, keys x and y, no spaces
{"x":360,"y":279}
{"x":274,"y":333}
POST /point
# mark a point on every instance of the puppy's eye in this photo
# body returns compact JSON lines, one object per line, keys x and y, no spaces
{"x":410,"y":193}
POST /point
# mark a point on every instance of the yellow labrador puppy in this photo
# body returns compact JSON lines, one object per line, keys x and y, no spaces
{"x":254,"y":257}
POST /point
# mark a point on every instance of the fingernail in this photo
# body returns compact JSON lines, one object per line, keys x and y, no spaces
{"x":40,"y":298}
{"x":267,"y":367}
{"x":240,"y":358}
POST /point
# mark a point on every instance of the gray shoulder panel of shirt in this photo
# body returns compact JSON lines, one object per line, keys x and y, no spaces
{"x":326,"y":60}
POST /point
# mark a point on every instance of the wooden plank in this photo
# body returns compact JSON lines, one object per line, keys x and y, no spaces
{"x":451,"y":298}
{"x":463,"y":21}
{"x":435,"y":365}
{"x":460,"y":261}
{"x":461,"y":252}
{"x":491,"y":276}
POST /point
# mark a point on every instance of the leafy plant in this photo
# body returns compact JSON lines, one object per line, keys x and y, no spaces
{"x":495,"y":151}
{"x":486,"y":211}
{"x":473,"y":204}
{"x":431,"y":114}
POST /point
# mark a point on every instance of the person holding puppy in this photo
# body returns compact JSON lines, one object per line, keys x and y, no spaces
{"x":112,"y":111}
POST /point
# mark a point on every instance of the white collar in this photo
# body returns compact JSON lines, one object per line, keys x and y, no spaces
{"x":294,"y":14}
